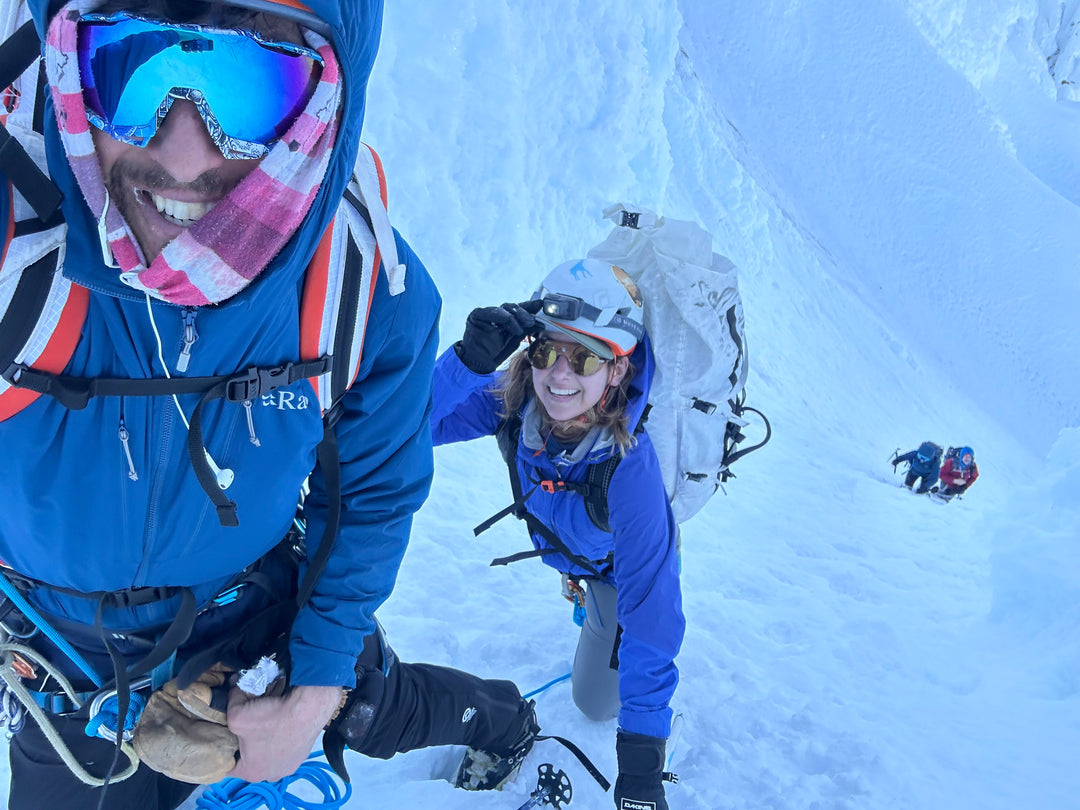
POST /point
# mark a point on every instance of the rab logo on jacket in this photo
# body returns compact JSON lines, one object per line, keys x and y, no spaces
{"x":285,"y":400}
{"x":634,"y":804}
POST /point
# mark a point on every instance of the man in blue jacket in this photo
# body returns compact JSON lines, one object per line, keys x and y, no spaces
{"x":152,"y":471}
{"x":923,"y":462}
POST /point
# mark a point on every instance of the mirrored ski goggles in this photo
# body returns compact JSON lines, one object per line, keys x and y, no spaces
{"x":247,"y":90}
{"x":544,"y":353}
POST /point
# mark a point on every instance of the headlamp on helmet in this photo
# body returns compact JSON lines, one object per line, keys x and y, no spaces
{"x":594,"y":303}
{"x":562,"y":307}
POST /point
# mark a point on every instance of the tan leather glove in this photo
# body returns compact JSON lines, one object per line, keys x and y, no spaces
{"x":182,"y":733}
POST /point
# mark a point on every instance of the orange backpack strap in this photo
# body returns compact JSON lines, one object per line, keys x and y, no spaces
{"x":43,"y":315}
{"x":339,"y":284}
{"x":41,"y":312}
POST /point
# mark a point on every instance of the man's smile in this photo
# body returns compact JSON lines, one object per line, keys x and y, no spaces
{"x":181,"y":213}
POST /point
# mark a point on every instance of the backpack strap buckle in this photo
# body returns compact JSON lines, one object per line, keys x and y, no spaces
{"x":553,"y":486}
{"x":12,"y":373}
{"x":252,"y":383}
{"x":136,"y":597}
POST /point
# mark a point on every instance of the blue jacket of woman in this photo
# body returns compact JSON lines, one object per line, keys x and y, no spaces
{"x":642,"y":537}
{"x":71,"y":515}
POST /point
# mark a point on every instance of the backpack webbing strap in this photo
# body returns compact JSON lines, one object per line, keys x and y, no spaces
{"x":341,"y":376}
{"x":35,"y":186}
{"x":244,"y":387}
{"x":75,"y":393}
{"x":733,"y":435}
{"x":46,"y":311}
{"x":175,"y":635}
{"x":329,"y":462}
{"x":338,"y":293}
{"x":25,"y":307}
{"x":536,"y":525}
{"x":507,"y":435}
{"x":17,"y":53}
{"x":739,"y":370}
{"x":598,"y":480}
{"x":264,"y":626}
{"x":594,"y":772}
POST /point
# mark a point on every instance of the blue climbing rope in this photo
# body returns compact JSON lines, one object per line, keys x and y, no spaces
{"x":103,"y":723}
{"x":236,"y":794}
{"x":12,"y":713}
{"x":547,"y":685}
{"x":62,"y":644}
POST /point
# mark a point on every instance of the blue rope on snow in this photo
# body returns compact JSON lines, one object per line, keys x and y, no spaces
{"x":547,"y":685}
{"x":240,"y":795}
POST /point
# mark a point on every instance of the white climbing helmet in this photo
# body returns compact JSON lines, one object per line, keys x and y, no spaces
{"x":595,"y":303}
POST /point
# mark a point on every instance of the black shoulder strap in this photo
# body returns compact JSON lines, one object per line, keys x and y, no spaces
{"x":25,"y":307}
{"x":597,"y":479}
{"x":598,"y":482}
{"x":17,"y":53}
{"x":508,"y":434}
{"x":340,"y":377}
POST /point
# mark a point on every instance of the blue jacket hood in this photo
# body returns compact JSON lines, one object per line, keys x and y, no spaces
{"x":353,"y":28}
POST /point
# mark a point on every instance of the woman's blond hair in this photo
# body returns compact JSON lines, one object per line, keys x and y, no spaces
{"x":515,"y":387}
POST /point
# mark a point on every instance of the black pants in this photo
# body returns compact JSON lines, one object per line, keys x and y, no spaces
{"x":395,"y":707}
{"x":420,"y":705}
{"x":928,"y":481}
{"x":41,"y":781}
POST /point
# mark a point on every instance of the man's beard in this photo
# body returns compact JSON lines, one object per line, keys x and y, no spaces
{"x":128,"y":174}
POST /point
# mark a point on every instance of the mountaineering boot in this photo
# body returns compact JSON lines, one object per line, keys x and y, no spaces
{"x":490,"y":770}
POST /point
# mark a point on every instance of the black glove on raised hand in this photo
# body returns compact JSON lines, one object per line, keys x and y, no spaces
{"x":640,"y":785}
{"x":493,"y":333}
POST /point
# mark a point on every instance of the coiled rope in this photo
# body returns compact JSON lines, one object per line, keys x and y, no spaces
{"x":236,"y":794}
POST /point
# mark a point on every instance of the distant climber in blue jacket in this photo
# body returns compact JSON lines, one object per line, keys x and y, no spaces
{"x":571,"y":401}
{"x":923,"y":462}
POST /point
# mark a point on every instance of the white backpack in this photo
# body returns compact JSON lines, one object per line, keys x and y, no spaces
{"x":694,"y":317}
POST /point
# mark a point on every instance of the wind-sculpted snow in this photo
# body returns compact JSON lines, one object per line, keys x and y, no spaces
{"x":898,"y":184}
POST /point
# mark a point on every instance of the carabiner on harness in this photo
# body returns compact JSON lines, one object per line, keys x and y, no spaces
{"x":104,"y":712}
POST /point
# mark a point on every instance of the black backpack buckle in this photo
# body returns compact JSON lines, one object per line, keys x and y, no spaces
{"x":251,"y":384}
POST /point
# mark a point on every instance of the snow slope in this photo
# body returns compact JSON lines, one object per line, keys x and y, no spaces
{"x":896,"y":182}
